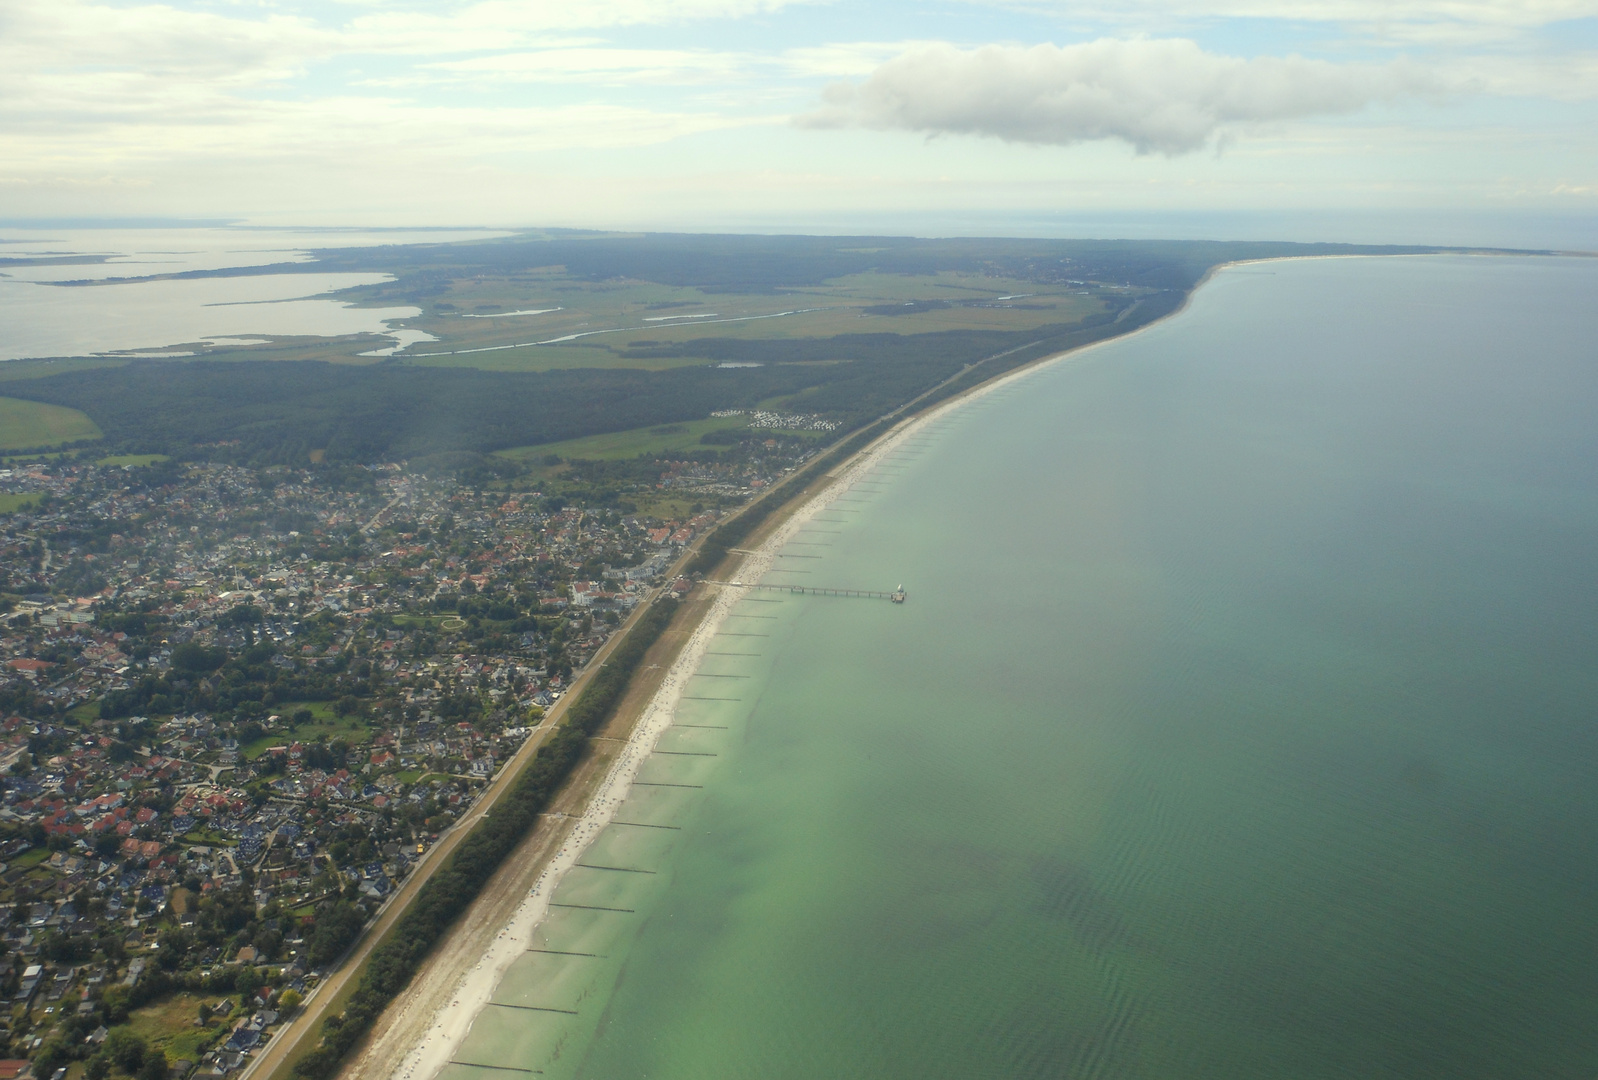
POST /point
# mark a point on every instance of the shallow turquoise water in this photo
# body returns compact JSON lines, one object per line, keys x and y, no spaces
{"x":1242,"y":722}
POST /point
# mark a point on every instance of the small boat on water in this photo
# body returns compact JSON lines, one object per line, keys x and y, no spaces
{"x":898,"y":595}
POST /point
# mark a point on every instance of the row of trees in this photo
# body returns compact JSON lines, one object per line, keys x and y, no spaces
{"x":452,"y":889}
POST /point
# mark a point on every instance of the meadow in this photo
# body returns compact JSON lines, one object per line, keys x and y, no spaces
{"x":617,"y":445}
{"x":132,"y":460}
{"x":644,"y":325}
{"x":29,"y":424}
{"x":12,"y":501}
{"x":324,"y":726}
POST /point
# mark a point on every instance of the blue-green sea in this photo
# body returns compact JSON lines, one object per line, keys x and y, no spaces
{"x":1242,"y":722}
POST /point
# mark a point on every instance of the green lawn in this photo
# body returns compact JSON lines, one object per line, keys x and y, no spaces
{"x":324,"y":727}
{"x":206,"y":837}
{"x":169,"y":1025}
{"x":413,"y":621}
{"x":553,"y":358}
{"x":133,"y":459}
{"x":33,"y":423}
{"x":18,"y":370}
{"x":628,"y":444}
{"x":29,"y":859}
{"x":10,"y":501}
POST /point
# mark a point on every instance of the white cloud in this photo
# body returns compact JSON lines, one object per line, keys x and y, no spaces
{"x":496,"y":25}
{"x":837,"y":60}
{"x":1502,"y":13}
{"x":1494,"y":12}
{"x":593,"y":65}
{"x":358,"y":129}
{"x":92,"y":82}
{"x":1166,"y":96}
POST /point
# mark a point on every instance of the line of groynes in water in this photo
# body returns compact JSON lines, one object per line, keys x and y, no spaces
{"x":452,"y":888}
{"x":446,"y":893}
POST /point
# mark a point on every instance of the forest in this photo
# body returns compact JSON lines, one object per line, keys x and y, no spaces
{"x":258,"y":411}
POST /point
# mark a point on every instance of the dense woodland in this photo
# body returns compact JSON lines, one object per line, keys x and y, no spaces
{"x":278,"y":412}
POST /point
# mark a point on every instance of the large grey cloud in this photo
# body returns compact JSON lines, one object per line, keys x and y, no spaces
{"x":1161,"y":95}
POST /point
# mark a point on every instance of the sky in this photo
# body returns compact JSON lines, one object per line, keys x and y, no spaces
{"x":893,"y":115}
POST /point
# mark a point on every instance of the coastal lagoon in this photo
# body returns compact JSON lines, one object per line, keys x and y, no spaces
{"x":1242,"y":722}
{"x":41,"y":318}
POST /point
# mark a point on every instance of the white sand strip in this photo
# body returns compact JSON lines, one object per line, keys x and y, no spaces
{"x":448,"y":1028}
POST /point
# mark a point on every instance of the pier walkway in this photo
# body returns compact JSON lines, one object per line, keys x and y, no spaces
{"x":897,"y":596}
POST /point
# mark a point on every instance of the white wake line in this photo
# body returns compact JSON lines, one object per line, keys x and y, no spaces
{"x":615,"y":330}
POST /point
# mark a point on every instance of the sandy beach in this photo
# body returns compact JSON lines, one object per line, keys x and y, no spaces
{"x":450,"y":1025}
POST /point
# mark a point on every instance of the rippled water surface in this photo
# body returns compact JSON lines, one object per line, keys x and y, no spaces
{"x":1242,"y":722}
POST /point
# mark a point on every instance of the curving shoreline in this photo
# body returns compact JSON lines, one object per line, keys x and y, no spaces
{"x":450,"y":1024}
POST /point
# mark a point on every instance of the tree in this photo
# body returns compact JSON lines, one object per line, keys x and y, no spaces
{"x":97,"y":1067}
{"x":289,"y":1001}
{"x":194,"y":657}
{"x":247,"y":981}
{"x":154,"y":1067}
{"x":125,"y":1048}
{"x":337,"y":924}
{"x":50,"y":1057}
{"x":175,"y":945}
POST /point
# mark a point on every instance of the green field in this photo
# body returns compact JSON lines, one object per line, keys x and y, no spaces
{"x":169,"y":1026}
{"x":324,"y":727}
{"x":618,"y":445}
{"x":11,"y":500}
{"x":33,"y":423}
{"x":413,"y":621}
{"x":621,"y":321}
{"x":132,"y":459}
{"x":15,"y":370}
{"x":205,"y":836}
{"x":553,"y":358}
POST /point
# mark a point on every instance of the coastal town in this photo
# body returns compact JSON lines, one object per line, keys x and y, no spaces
{"x":238,"y":705}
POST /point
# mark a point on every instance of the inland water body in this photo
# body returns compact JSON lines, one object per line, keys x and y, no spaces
{"x":1242,"y":722}
{"x":40,"y":317}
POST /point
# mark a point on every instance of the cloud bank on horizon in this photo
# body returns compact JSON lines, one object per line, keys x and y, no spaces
{"x":661,"y":112}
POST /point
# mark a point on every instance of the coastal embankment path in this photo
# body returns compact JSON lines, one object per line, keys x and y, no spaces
{"x":302,"y":1033}
{"x":489,"y":917}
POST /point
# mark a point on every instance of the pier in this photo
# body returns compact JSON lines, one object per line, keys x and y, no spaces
{"x":897,"y":596}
